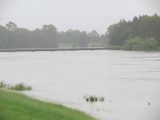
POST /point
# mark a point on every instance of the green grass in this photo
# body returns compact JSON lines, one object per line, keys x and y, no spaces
{"x":15,"y":106}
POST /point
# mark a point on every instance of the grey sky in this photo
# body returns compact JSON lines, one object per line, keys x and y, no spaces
{"x":74,"y":14}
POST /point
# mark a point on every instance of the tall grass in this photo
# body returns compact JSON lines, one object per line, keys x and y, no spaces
{"x":2,"y":85}
{"x":17,"y":87}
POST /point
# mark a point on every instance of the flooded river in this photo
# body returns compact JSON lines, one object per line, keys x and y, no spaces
{"x":127,"y":80}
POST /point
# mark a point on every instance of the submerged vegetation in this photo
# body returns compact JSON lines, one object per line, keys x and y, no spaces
{"x":17,"y":87}
{"x":14,"y":106}
{"x":92,"y":98}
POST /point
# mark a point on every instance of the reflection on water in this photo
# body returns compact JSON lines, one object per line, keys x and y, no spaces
{"x":127,"y":80}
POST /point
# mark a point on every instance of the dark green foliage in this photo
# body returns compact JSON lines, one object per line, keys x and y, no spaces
{"x":142,"y":26}
{"x":139,"y":43}
{"x":21,"y":87}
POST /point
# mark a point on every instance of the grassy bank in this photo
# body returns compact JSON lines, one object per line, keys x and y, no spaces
{"x":14,"y":106}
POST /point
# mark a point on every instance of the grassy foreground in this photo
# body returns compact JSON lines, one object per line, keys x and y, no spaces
{"x":14,"y":106}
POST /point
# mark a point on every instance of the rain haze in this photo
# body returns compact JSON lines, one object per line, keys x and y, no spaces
{"x":84,"y":15}
{"x":101,"y":57}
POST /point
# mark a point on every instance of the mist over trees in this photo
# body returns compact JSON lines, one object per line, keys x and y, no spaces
{"x":142,"y":32}
{"x":46,"y":37}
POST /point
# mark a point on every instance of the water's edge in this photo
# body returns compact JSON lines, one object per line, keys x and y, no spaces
{"x":60,"y":49}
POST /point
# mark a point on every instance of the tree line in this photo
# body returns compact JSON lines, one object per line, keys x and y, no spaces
{"x":48,"y":36}
{"x":140,"y":33}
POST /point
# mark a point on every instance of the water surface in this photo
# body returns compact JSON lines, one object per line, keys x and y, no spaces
{"x":127,"y":80}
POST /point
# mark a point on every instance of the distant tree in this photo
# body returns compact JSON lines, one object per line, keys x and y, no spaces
{"x":104,"y":40}
{"x":93,"y":36}
{"x":50,"y":34}
{"x":3,"y":37}
{"x":118,"y":33}
{"x":75,"y":38}
{"x":134,"y":27}
{"x":83,"y":40}
{"x":11,"y":26}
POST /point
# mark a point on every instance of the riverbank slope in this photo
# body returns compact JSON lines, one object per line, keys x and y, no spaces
{"x":14,"y":106}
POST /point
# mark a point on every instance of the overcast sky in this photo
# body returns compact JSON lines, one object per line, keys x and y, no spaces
{"x":85,"y":15}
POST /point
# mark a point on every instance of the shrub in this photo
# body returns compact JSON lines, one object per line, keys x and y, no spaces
{"x":138,"y":44}
{"x":21,"y":87}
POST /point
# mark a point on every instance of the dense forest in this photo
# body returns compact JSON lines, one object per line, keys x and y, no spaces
{"x":142,"y":32}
